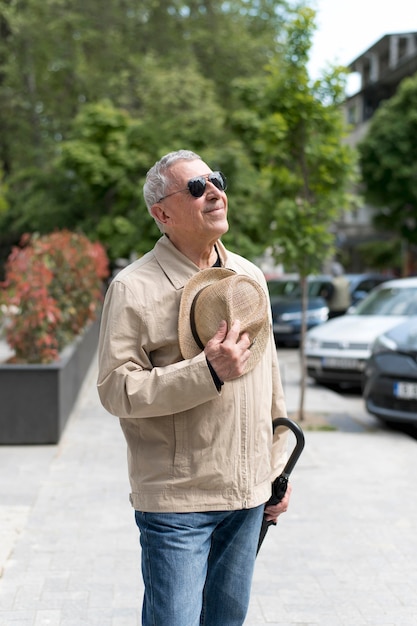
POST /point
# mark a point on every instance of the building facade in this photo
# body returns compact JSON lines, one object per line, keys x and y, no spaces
{"x":381,"y":68}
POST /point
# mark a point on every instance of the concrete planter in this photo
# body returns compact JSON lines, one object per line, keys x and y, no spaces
{"x":36,"y":400}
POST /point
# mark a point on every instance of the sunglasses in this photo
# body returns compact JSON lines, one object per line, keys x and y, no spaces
{"x":196,"y":186}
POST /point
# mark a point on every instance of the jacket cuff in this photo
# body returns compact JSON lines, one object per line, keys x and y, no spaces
{"x":219,"y":383}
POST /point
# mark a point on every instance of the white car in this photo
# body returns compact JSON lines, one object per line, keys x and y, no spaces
{"x":337,"y":350}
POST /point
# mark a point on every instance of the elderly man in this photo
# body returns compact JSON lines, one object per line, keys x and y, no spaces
{"x":188,"y":363}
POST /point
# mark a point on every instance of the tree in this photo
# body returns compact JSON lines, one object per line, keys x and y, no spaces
{"x":306,"y":170}
{"x":388,"y":163}
{"x":55,"y":56}
{"x":92,"y":185}
{"x":168,"y":65}
{"x":95,"y":183}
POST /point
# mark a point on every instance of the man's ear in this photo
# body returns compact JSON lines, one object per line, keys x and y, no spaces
{"x":159,"y":214}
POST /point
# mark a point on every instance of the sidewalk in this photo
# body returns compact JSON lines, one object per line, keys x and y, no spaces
{"x":345,"y":554}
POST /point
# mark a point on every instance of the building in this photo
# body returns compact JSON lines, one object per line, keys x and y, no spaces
{"x":381,"y":68}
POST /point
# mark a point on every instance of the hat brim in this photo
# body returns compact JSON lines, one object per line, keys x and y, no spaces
{"x":188,"y":345}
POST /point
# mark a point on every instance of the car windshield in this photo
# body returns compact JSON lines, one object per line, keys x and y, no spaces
{"x":316,"y":286}
{"x":390,"y":301}
{"x":292,"y":288}
{"x":283,"y":287}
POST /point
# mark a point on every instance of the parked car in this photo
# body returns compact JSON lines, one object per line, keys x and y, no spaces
{"x":337,"y":351}
{"x":361,"y":284}
{"x":390,"y":377}
{"x":285,"y":294}
{"x":286,"y":305}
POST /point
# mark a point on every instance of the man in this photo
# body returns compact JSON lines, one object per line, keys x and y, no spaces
{"x":338,"y":298}
{"x":195,"y":410}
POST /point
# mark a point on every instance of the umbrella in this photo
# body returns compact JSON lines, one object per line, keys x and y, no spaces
{"x":279,"y":486}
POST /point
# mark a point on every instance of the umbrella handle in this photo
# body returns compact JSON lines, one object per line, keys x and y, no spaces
{"x":299,"y":442}
{"x":279,"y":486}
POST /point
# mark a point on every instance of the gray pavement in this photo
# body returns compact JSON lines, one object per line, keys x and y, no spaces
{"x":345,"y":554}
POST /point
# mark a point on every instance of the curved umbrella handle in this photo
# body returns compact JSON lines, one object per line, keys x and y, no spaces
{"x":279,"y":486}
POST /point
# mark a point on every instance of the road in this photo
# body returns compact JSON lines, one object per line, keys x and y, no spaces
{"x":344,"y":409}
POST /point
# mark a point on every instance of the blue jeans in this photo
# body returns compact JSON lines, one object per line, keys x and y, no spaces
{"x":197,"y":567}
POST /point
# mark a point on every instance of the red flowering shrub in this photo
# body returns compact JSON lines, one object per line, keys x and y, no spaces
{"x":53,"y":288}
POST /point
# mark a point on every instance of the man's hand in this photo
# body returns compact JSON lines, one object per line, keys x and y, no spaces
{"x":272,"y":512}
{"x":228,"y":351}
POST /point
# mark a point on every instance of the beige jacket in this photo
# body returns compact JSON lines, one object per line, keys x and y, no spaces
{"x":190,"y":447}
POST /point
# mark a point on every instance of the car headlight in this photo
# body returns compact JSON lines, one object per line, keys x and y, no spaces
{"x":291,"y":317}
{"x":383,"y":344}
{"x":311,"y":343}
{"x":319,"y":315}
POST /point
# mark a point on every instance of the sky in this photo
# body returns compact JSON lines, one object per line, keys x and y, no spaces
{"x":346,"y":28}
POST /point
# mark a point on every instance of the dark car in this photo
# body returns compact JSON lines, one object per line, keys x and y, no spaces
{"x":286,"y":305}
{"x":390,"y":376}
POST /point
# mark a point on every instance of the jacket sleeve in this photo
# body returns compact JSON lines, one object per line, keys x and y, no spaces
{"x":280,"y":441}
{"x":129,"y":385}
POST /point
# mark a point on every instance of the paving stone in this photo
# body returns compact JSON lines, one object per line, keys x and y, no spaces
{"x":345,"y":553}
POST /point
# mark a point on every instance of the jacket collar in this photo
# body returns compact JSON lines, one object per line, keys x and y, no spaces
{"x":175,"y":265}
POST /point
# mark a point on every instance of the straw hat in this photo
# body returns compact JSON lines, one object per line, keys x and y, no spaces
{"x":217,"y":294}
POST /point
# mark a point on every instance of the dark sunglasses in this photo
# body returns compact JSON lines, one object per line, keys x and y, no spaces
{"x":196,"y":186}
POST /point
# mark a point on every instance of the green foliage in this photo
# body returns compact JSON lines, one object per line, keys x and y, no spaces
{"x":53,"y":288}
{"x":58,"y":55}
{"x":297,"y":132}
{"x":382,"y":254}
{"x":301,"y":235}
{"x":178,"y":107}
{"x":95,"y":183}
{"x":388,"y":161}
{"x":92,"y":185}
{"x":94,"y":93}
{"x":3,"y":195}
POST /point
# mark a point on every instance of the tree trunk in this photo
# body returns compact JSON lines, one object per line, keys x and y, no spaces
{"x":303,"y":367}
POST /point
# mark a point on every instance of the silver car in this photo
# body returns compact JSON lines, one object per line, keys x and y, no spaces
{"x":337,"y":350}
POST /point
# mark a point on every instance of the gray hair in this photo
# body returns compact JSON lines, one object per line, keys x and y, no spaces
{"x":157,"y":180}
{"x":337,"y":269}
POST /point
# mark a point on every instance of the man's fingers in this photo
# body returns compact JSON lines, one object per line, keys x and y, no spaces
{"x":272,"y":512}
{"x":234,"y":331}
{"x":224,"y":333}
{"x":221,"y":332}
{"x":234,"y":335}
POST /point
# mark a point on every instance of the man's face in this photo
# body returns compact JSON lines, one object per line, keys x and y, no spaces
{"x":188,"y":220}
